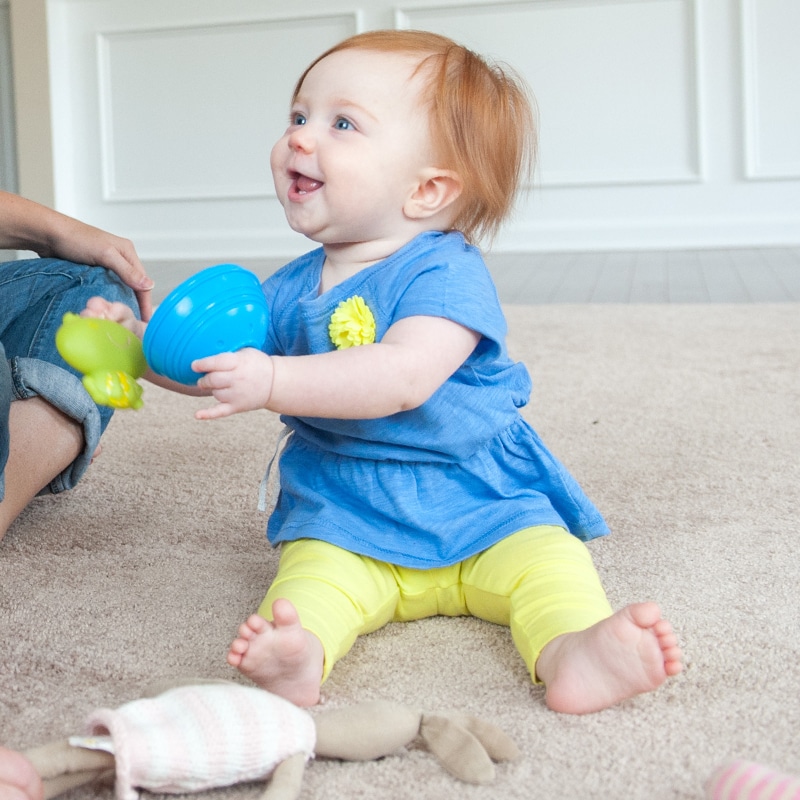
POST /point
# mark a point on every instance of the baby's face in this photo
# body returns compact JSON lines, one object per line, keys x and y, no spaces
{"x":357,"y":140}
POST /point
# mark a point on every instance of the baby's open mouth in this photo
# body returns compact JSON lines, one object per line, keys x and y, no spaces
{"x":305,"y":185}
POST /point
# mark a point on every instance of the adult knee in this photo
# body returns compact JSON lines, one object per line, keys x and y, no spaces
{"x":109,"y":285}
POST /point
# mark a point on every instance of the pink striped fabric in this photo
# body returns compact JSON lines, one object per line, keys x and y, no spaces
{"x":747,"y":780}
{"x":199,"y":737}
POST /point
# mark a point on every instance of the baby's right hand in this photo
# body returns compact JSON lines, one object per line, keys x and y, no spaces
{"x":101,"y":308}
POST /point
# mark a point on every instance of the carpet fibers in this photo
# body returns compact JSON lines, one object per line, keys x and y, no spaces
{"x":681,"y":422}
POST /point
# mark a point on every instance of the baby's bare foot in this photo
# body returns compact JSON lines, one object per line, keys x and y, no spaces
{"x":280,"y":656}
{"x":631,"y":652}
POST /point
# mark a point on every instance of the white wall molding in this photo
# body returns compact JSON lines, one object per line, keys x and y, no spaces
{"x":770,"y":89}
{"x":218,"y":81}
{"x":663,"y":121}
{"x":652,"y":234}
{"x":634,"y":55}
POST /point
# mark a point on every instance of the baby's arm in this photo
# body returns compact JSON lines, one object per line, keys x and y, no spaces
{"x":415,"y":357}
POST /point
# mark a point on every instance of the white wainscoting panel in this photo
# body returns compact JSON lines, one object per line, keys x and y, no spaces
{"x":771,"y":76}
{"x":165,"y":114}
{"x":603,"y":74}
{"x":664,"y":123}
{"x":188,"y":113}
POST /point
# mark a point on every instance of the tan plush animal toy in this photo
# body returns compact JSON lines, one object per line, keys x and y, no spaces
{"x":206,"y":735}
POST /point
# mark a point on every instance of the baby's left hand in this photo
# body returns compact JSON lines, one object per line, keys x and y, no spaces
{"x":240,"y":381}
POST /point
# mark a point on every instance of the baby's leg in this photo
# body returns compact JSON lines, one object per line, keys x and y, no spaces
{"x":560,"y":619}
{"x":321,"y":600}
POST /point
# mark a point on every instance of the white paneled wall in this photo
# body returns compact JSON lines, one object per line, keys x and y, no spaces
{"x":588,"y":62}
{"x":664,"y":123}
{"x":771,"y":79}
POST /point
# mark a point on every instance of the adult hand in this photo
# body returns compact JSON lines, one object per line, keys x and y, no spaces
{"x":76,"y":241}
{"x":26,"y":225}
{"x":18,"y":778}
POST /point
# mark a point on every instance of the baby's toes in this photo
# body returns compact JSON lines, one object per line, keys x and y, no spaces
{"x":256,"y":624}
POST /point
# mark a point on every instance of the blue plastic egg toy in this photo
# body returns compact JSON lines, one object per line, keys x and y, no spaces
{"x":220,"y":309}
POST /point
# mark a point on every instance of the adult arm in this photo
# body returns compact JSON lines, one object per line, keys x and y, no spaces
{"x":26,"y":225}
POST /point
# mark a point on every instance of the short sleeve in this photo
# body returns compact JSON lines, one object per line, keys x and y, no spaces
{"x":454,"y":283}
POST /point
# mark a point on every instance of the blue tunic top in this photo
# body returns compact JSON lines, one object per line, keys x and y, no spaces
{"x":436,"y":484}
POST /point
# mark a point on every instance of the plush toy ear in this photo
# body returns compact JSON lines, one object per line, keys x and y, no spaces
{"x":287,"y":779}
{"x":460,"y":753}
{"x":498,"y":744}
{"x":466,"y":745}
{"x":63,"y":767}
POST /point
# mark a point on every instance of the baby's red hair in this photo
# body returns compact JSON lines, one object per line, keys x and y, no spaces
{"x":482,"y":121}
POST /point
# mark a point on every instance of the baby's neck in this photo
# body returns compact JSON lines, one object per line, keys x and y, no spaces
{"x":334,"y":273}
{"x":342,"y":261}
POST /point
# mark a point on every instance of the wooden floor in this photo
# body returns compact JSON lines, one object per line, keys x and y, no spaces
{"x":757,"y":275}
{"x":747,"y":275}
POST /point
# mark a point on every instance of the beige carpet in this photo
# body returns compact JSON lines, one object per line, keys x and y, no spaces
{"x":682,"y":422}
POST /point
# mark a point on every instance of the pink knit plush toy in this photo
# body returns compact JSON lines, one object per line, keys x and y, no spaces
{"x":746,"y":780}
{"x":198,"y":737}
{"x":205,"y":735}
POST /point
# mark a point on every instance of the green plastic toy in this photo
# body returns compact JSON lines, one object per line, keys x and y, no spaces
{"x":109,"y":356}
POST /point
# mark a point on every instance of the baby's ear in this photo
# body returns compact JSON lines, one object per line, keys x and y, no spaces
{"x":436,"y":191}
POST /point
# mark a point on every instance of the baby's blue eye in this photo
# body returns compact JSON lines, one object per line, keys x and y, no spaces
{"x":298,"y":119}
{"x":342,"y":124}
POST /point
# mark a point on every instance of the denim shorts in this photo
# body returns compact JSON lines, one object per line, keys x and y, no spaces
{"x":34,"y":296}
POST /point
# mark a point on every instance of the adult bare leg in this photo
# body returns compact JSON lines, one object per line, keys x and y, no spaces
{"x":43,"y":441}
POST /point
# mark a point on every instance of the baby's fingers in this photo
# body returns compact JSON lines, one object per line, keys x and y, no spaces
{"x":224,"y":362}
{"x":217,"y":411}
{"x":101,"y":308}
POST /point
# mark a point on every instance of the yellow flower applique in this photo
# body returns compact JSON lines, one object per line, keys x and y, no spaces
{"x":352,"y":323}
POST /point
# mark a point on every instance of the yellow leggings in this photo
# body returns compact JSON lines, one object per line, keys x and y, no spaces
{"x":540,"y":582}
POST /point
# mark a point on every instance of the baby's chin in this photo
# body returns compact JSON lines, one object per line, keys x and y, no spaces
{"x":304,"y":228}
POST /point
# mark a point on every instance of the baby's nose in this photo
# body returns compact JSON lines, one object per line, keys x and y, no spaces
{"x":301,"y":139}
